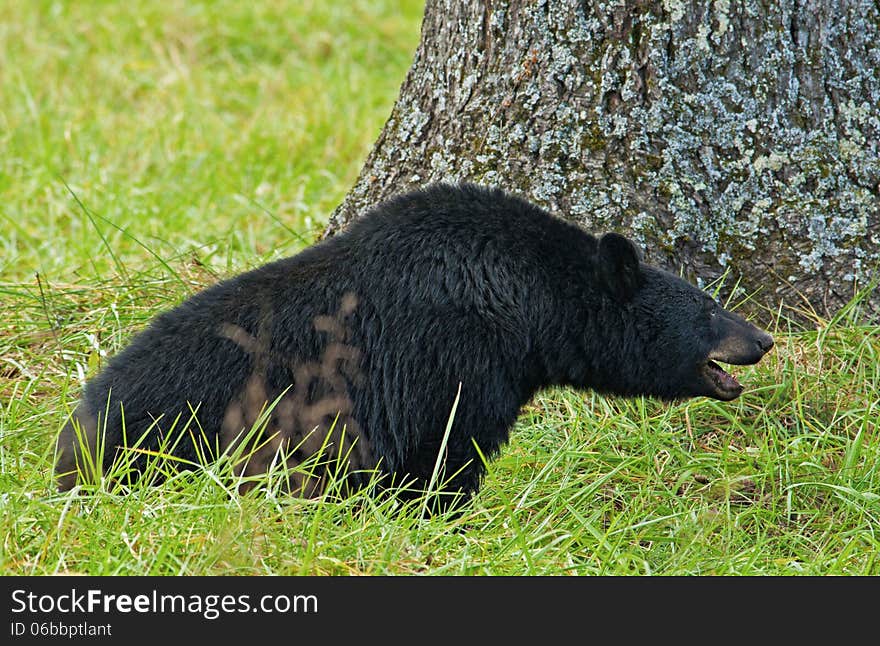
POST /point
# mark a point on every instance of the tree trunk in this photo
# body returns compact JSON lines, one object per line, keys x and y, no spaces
{"x":735,"y":139}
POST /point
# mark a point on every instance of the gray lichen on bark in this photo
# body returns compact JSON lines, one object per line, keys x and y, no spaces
{"x":725,"y":137}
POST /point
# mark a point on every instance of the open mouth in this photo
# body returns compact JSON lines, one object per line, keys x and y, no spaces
{"x":725,"y":385}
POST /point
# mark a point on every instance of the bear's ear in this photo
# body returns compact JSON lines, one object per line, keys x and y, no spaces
{"x":617,"y":266}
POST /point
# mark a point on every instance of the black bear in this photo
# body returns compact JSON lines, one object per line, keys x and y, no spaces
{"x":357,"y":348}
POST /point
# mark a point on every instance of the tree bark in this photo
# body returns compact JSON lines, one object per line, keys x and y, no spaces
{"x":728,"y":139}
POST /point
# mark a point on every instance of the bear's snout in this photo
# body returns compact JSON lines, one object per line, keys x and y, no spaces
{"x":764,"y":342}
{"x":739,"y":342}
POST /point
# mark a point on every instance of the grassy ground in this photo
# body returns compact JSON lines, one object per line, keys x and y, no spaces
{"x":147,"y":149}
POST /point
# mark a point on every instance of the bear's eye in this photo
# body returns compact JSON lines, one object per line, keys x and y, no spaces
{"x":710,"y":307}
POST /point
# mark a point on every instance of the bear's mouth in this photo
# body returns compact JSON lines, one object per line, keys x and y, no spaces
{"x":725,"y":386}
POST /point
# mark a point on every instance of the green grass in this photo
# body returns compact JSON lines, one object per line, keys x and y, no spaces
{"x":148,"y":149}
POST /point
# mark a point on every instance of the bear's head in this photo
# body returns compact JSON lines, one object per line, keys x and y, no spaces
{"x":670,"y":335}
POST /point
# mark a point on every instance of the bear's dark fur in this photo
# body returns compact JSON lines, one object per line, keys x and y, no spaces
{"x":375,"y":329}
